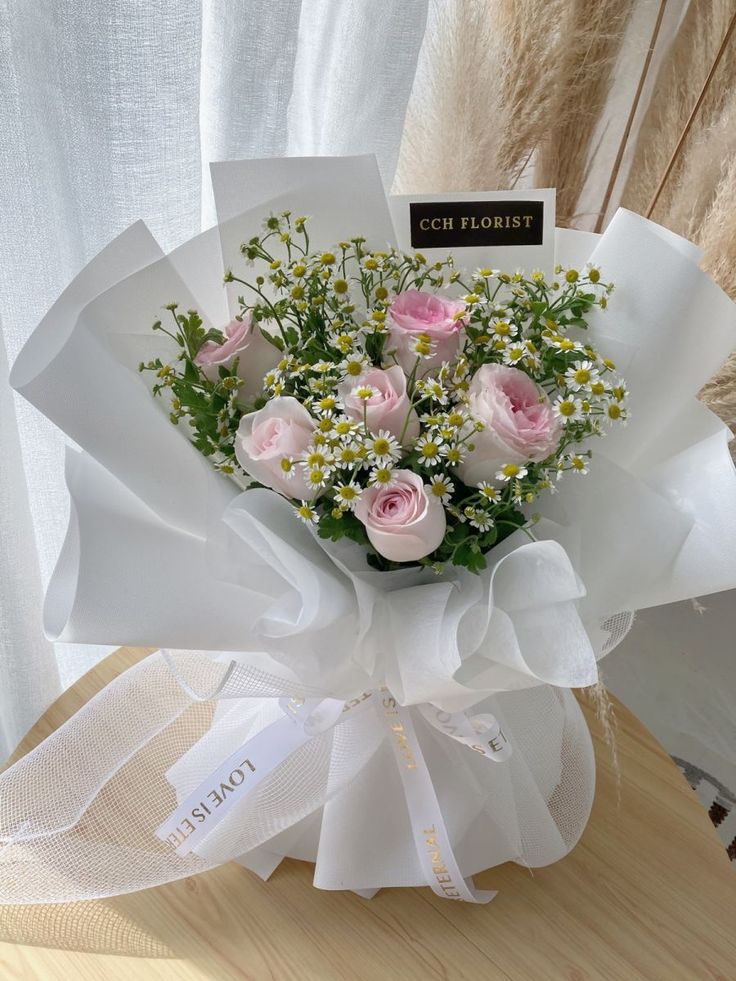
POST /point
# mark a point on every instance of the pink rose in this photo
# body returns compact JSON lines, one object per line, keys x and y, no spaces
{"x":520,"y":426}
{"x":415,"y":312}
{"x":404,"y":521}
{"x":243,"y":340}
{"x":388,"y":409}
{"x":282,"y":428}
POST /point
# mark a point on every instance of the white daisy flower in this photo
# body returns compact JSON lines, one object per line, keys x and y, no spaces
{"x":433,"y":388}
{"x":347,"y":495}
{"x":327,"y":405}
{"x":317,"y":456}
{"x":364,"y":392}
{"x":567,"y":408}
{"x":515,"y":354}
{"x":481,"y":520}
{"x":453,"y":453}
{"x":562,"y":343}
{"x":504,"y":328}
{"x":348,"y":455}
{"x":306,"y":513}
{"x":423,"y":346}
{"x":345,"y":428}
{"x":288,"y":466}
{"x":382,"y":476}
{"x":382,"y":447}
{"x":488,"y":491}
{"x":354,"y":365}
{"x":317,"y":477}
{"x":578,"y":464}
{"x":442,"y":487}
{"x":615,"y":412}
{"x":512,"y":471}
{"x":429,"y":450}
{"x":581,"y":375}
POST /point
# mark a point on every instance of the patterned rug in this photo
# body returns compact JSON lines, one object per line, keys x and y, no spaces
{"x":719,"y":801}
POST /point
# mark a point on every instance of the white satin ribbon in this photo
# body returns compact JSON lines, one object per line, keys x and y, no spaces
{"x":481,"y":733}
{"x":303,"y":719}
{"x":431,"y":839}
{"x":238,"y":776}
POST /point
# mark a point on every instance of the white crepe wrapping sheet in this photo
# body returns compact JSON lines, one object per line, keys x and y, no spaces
{"x":250,"y":605}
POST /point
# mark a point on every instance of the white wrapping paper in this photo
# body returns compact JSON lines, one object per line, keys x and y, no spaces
{"x":252,"y":608}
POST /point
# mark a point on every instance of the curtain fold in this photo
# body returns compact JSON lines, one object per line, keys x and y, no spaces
{"x":110,"y":111}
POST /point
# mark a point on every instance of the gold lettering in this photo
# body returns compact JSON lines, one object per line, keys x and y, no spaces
{"x":424,"y":224}
{"x":528,"y":221}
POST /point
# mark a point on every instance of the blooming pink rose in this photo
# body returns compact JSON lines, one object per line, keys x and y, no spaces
{"x":520,"y":426}
{"x":388,"y":409}
{"x":415,"y":312}
{"x":282,"y":428}
{"x":243,"y":340}
{"x":404,"y":521}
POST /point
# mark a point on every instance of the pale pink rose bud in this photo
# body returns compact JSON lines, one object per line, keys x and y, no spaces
{"x":282,"y":428}
{"x":388,"y":408}
{"x":415,"y":312}
{"x":520,"y":426}
{"x":404,"y":521}
{"x":243,"y":340}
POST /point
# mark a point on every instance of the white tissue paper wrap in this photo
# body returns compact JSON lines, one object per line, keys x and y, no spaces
{"x":251,"y":609}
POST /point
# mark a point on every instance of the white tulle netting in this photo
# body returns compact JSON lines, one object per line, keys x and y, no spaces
{"x":78,"y":815}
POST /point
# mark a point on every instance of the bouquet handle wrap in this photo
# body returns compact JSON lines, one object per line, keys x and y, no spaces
{"x":336,"y":798}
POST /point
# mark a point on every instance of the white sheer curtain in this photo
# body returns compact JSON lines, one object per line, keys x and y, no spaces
{"x":111,"y":110}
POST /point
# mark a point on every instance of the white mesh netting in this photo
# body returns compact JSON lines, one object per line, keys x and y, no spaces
{"x":78,"y":815}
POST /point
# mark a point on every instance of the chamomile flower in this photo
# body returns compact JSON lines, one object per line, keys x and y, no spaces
{"x":382,"y":476}
{"x":323,"y":367}
{"x":317,"y":456}
{"x":306,"y":513}
{"x":348,"y":455}
{"x":581,"y":376}
{"x":364,"y":392}
{"x":567,"y":408}
{"x":481,"y":520}
{"x":354,"y":365}
{"x":511,"y":471}
{"x":442,"y":487}
{"x":615,"y":412}
{"x":578,"y":464}
{"x":327,"y":404}
{"x":382,"y":447}
{"x":504,"y":328}
{"x":317,"y":477}
{"x":429,"y":450}
{"x":348,"y":494}
{"x":288,"y":466}
{"x":345,"y":428}
{"x":422,"y":346}
{"x":453,"y":453}
{"x":433,"y":389}
{"x":488,"y":491}
{"x":561,"y":342}
{"x":515,"y":354}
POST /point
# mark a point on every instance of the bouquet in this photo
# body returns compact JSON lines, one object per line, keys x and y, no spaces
{"x":412,"y":422}
{"x":398,"y":518}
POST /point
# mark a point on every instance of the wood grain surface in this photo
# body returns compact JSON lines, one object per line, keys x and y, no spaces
{"x":648,"y":893}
